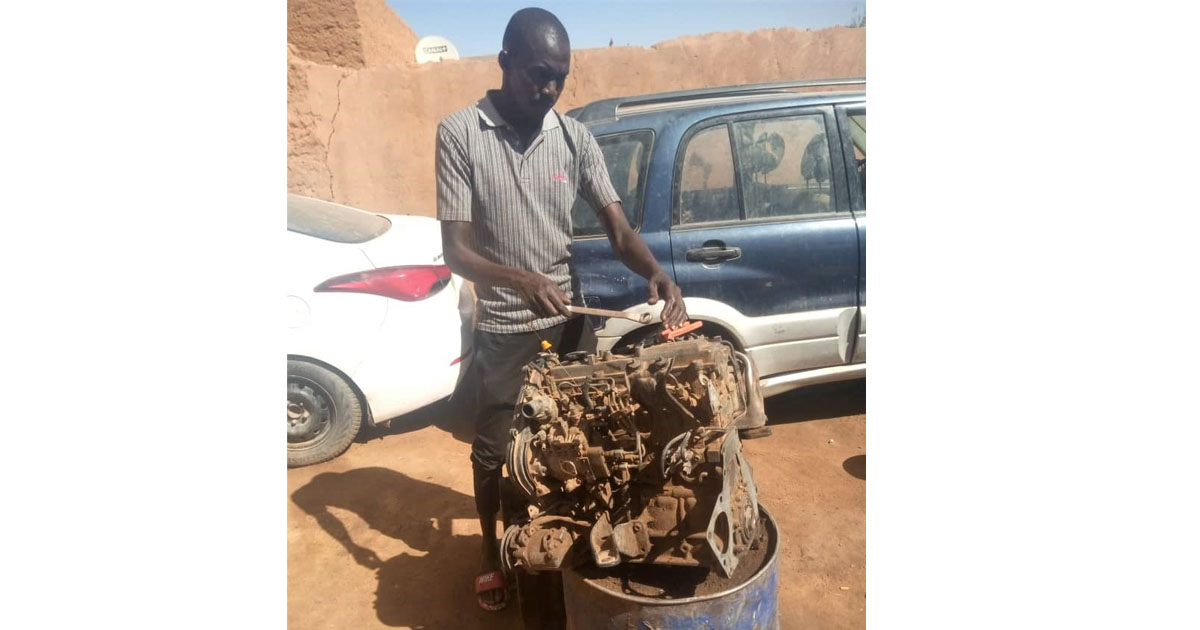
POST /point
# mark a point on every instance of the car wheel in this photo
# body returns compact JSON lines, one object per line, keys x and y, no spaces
{"x":323,"y":414}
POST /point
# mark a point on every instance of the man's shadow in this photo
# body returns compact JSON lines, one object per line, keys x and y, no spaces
{"x":430,"y":590}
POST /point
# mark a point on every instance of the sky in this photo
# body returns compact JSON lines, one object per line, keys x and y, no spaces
{"x":475,"y":27}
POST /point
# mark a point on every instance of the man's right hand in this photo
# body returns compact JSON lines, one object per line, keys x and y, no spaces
{"x":542,"y":295}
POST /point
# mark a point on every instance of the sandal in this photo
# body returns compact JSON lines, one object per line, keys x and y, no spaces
{"x":488,"y":582}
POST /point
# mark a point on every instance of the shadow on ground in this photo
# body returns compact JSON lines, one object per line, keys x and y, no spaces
{"x":450,"y":416}
{"x":428,"y":588}
{"x":818,"y":402}
{"x":856,"y":466}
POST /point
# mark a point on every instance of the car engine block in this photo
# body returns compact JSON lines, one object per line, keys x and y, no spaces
{"x":638,"y":455}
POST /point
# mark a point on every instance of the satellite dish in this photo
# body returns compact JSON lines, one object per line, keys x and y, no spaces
{"x":435,"y":48}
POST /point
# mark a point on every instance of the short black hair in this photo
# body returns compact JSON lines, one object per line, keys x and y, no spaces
{"x":531,"y":20}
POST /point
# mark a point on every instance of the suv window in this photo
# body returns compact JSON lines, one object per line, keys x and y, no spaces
{"x":626,"y":155}
{"x":858,"y":137}
{"x":784,"y":166}
{"x":332,"y":222}
{"x":706,"y":189}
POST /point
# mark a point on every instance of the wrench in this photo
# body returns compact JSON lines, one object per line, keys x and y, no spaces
{"x":644,"y":318}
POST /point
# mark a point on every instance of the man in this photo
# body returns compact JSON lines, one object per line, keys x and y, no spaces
{"x":508,"y":168}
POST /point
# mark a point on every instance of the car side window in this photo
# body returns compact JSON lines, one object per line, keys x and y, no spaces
{"x":706,"y":189}
{"x":784,"y":166}
{"x":626,"y":155}
{"x":858,"y":137}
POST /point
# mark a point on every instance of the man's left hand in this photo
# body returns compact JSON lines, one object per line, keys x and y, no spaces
{"x":673,"y":314}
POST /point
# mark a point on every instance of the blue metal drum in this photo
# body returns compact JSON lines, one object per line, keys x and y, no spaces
{"x":751,"y":605}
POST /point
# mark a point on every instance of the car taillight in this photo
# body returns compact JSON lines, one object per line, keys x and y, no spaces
{"x":408,"y":283}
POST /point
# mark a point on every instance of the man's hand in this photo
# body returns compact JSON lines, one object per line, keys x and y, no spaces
{"x":542,"y":295}
{"x":673,"y":314}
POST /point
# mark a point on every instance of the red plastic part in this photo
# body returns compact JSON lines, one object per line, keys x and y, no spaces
{"x":686,"y":328}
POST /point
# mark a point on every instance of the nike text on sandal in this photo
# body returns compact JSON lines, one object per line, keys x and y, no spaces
{"x":488,"y":582}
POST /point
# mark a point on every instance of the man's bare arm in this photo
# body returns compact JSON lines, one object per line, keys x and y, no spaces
{"x":542,"y":295}
{"x":632,"y":251}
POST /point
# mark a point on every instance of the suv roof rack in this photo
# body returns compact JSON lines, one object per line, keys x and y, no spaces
{"x":608,"y":108}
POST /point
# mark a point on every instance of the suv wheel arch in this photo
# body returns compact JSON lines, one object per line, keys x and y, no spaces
{"x":709,"y":328}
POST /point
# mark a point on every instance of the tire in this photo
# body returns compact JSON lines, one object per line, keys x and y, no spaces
{"x":324,"y":414}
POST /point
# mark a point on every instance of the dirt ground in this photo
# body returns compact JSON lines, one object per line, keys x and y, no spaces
{"x":385,"y":535}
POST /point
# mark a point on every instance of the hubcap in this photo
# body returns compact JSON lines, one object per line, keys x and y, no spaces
{"x":309,"y":412}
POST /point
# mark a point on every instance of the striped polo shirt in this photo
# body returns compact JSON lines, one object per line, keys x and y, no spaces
{"x":518,"y":204}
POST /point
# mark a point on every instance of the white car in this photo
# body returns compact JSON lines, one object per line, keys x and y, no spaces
{"x":375,"y":323}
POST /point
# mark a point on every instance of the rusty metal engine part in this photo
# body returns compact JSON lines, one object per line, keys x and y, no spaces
{"x":636,"y":456}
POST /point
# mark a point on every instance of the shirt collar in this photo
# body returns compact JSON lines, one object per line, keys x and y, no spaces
{"x":491,"y":116}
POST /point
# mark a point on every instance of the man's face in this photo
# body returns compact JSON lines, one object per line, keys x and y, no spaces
{"x":534,"y":77}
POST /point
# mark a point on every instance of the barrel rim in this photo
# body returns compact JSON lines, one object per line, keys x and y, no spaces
{"x":772,"y":559}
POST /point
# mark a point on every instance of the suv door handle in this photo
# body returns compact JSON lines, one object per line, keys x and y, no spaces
{"x":713,"y":254}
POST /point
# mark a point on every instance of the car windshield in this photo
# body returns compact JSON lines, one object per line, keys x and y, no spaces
{"x":332,"y":222}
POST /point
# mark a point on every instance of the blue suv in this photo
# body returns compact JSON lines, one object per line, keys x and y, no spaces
{"x":754,"y":197}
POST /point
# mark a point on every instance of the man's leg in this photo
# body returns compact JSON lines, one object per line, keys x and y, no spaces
{"x":575,"y":334}
{"x":498,"y":361}
{"x":542,"y":594}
